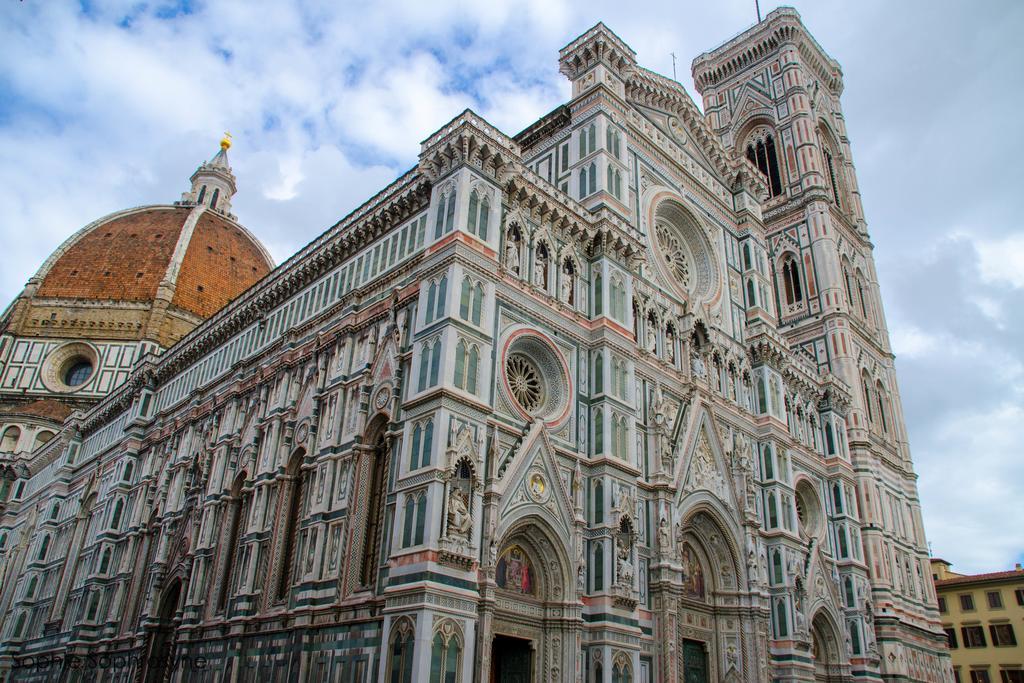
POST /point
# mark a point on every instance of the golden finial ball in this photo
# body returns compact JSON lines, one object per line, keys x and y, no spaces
{"x":225,"y":142}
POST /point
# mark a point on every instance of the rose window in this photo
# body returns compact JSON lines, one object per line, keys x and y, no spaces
{"x":524,"y":381}
{"x":536,"y":378}
{"x":674,"y":253}
{"x":683,"y":253}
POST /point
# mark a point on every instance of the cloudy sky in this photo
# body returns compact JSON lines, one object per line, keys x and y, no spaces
{"x":105,"y":105}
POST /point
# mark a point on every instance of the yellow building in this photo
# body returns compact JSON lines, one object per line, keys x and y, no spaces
{"x":982,"y":615}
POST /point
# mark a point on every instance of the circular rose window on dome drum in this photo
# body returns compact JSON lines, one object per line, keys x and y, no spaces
{"x":70,"y":367}
{"x":536,"y":378}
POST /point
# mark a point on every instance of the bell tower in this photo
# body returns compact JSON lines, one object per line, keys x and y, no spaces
{"x":772,"y":95}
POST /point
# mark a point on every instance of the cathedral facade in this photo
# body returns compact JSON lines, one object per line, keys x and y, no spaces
{"x":609,"y":400}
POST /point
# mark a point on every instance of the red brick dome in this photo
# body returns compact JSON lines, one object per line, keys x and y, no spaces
{"x":126,"y":257}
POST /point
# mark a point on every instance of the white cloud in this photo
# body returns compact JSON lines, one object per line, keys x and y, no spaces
{"x":1002,"y":260}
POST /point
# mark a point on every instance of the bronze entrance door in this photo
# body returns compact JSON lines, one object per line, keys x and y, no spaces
{"x":510,"y":660}
{"x":695,"y":662}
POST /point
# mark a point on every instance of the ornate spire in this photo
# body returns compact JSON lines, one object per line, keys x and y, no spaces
{"x":213,"y":183}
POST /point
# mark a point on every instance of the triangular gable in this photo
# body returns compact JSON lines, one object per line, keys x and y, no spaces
{"x":705,"y":467}
{"x":535,"y":479}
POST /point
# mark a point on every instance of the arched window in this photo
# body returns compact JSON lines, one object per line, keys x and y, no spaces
{"x":19,"y":626}
{"x":442,"y":294}
{"x":791,"y":280}
{"x":202,"y":194}
{"x":599,"y":373}
{"x":292,"y":493}
{"x":236,"y":513}
{"x":747,"y":264}
{"x":478,"y":214}
{"x":10,"y":440}
{"x":588,"y":140}
{"x":598,"y":431}
{"x":401,"y":650}
{"x":751,"y":294}
{"x":478,"y":303}
{"x":773,"y":511}
{"x":618,"y":295}
{"x":31,"y":590}
{"x":42,"y":437}
{"x":868,"y":407}
{"x":424,"y":367}
{"x":849,"y":287}
{"x":435,"y":362}
{"x":621,"y":672}
{"x":860,"y":295}
{"x":848,"y":592}
{"x":781,"y":620}
{"x":445,"y":656}
{"x":44,"y":547}
{"x":105,"y":562}
{"x":445,"y":219}
{"x":460,"y":364}
{"x":592,"y":178}
{"x":761,"y":153}
{"x":777,"y":578}
{"x":833,"y":179}
{"x":837,"y":498}
{"x":882,"y":399}
{"x":129,"y":470}
{"x":54,"y":511}
{"x":472,"y":371}
{"x":598,"y":294}
{"x":428,"y":443}
{"x":414,"y":525}
{"x":417,"y":440}
{"x":213,"y":200}
{"x":583,"y":182}
{"x":465,"y":298}
{"x":431,"y":301}
{"x":376,"y":500}
{"x":830,"y":442}
{"x":598,"y":572}
{"x":598,"y":502}
{"x":115,"y":518}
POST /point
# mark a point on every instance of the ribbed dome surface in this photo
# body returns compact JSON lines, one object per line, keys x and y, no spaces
{"x":126,"y":257}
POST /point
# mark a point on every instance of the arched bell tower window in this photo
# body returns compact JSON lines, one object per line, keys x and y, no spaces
{"x":761,"y":152}
{"x":791,"y":280}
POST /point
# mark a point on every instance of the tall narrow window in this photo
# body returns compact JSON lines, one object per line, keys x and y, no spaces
{"x":421,"y":518}
{"x":474,"y":208}
{"x":598,"y":373}
{"x":229,"y":538}
{"x":375,"y":512}
{"x":478,"y":302}
{"x":592,"y":178}
{"x":465,"y":297}
{"x":202,"y":194}
{"x":598,"y":566}
{"x":442,"y":293}
{"x":762,"y":154}
{"x":444,"y":658}
{"x":791,"y":280}
{"x":417,"y":440}
{"x":439,"y":222}
{"x":460,"y":364}
{"x":292,"y":493}
{"x":213,"y":200}
{"x":401,"y":652}
{"x":598,"y":502}
{"x":435,"y":362}
{"x":598,"y":432}
{"x":449,"y":215}
{"x":431,"y":302}
{"x":485,"y":211}
{"x":424,"y":367}
{"x":428,"y":443}
{"x":115,"y":519}
{"x":407,"y":523}
{"x":472,"y":369}
{"x":583,"y":182}
{"x":830,"y":164}
{"x":598,"y":295}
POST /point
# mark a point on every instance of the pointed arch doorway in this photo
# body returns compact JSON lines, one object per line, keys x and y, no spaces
{"x":534,"y":621}
{"x":828,"y":657}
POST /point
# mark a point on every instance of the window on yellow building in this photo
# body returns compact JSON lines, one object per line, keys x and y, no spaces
{"x":980,"y":676}
{"x":1012,"y":675}
{"x":1020,"y":596}
{"x":951,"y":637}
{"x":1002,"y":635}
{"x":995,"y":600}
{"x":942,"y":605}
{"x":967,"y":603}
{"x":974,"y":636}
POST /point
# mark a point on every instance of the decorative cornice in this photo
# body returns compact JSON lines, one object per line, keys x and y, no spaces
{"x":782,"y":25}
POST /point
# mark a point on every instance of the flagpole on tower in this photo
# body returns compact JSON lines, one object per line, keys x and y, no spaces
{"x":757,"y":4}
